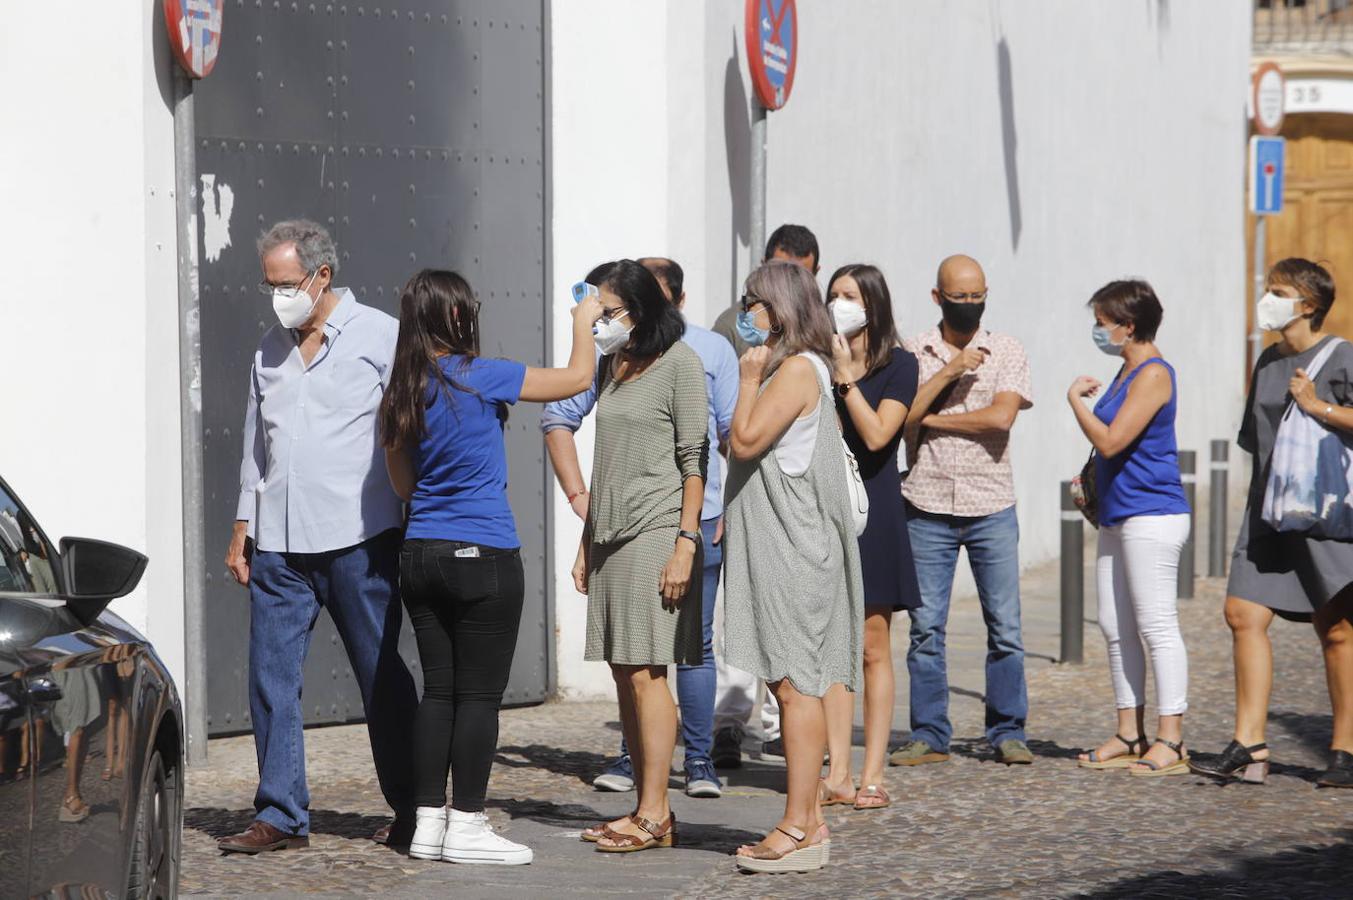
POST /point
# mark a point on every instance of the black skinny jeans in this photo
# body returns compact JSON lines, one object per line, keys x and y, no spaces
{"x":465,"y":612}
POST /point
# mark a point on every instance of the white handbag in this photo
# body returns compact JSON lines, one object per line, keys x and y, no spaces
{"x":859,"y":499}
{"x":1309,"y":487}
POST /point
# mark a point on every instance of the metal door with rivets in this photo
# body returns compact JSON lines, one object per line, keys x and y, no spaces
{"x":415,"y":130}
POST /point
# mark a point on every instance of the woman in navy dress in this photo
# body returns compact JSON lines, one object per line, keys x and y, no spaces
{"x":875,"y":384}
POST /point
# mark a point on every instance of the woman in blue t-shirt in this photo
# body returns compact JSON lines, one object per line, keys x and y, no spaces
{"x":1143,"y":523}
{"x":460,"y":570}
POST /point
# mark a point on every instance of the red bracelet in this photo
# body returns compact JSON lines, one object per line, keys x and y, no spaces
{"x":572,"y":497}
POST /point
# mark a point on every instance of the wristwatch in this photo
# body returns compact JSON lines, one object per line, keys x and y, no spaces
{"x":844,"y":388}
{"x":693,"y":536}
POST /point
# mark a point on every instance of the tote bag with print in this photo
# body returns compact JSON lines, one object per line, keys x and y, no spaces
{"x":1310,"y":472}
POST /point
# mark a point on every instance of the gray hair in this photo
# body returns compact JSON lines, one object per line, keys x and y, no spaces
{"x":314,"y":246}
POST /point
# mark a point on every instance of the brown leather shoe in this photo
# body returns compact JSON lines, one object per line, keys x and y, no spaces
{"x":260,"y":837}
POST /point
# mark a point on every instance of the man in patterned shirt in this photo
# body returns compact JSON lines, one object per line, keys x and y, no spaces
{"x":960,"y":493}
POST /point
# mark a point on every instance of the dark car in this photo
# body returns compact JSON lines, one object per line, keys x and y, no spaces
{"x":91,"y":730}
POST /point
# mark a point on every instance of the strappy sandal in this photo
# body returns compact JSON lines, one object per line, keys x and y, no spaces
{"x":1152,"y":769}
{"x":73,"y":809}
{"x":872,"y":792}
{"x":827,"y":797}
{"x":659,"y":835}
{"x":1136,"y":749}
{"x":1236,"y":763}
{"x":601,"y":829}
{"x":805,"y":857}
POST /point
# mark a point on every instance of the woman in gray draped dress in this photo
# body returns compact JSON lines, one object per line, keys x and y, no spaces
{"x":793,"y":600}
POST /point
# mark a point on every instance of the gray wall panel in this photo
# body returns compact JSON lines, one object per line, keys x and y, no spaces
{"x":416,"y":134}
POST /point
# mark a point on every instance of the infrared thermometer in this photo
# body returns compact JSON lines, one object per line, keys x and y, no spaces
{"x":582,"y":290}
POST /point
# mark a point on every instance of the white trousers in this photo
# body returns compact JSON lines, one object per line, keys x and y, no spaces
{"x":1136,"y":574}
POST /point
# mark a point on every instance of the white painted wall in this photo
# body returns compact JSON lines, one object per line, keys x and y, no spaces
{"x":89,"y":310}
{"x":1127,"y":135}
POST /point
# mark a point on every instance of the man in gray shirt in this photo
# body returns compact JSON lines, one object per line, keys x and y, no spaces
{"x":318,"y":526}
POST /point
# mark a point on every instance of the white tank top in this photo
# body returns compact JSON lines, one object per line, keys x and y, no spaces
{"x":794,"y":449}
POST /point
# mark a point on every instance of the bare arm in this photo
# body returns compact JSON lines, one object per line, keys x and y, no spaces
{"x":545,"y":385}
{"x":1150,"y":391}
{"x":760,"y":419}
{"x":403,"y":478}
{"x":876,"y":427}
{"x":563,"y":451}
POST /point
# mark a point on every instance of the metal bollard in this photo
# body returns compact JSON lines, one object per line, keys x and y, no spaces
{"x":1216,"y":519}
{"x":1073,"y":579}
{"x":1188,"y":467}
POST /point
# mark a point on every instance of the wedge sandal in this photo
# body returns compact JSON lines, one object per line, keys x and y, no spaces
{"x":1148,"y":768}
{"x":1136,"y":748}
{"x":805,"y":857}
{"x":659,"y":835}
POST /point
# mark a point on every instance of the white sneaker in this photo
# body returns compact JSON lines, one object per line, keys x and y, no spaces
{"x":470,"y":839}
{"x":428,"y":833}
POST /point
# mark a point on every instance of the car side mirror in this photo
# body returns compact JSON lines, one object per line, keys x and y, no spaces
{"x":98,"y":573}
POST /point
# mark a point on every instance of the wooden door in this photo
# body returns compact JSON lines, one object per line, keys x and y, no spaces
{"x":1317,"y":217}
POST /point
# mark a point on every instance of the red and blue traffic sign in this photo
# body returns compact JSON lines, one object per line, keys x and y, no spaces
{"x":772,"y":30}
{"x":1268,"y":158}
{"x":194,"y":33}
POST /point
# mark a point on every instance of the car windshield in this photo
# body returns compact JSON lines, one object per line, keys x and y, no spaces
{"x":27,"y":561}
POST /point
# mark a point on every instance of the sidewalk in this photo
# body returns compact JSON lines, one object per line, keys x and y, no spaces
{"x":963,"y":828}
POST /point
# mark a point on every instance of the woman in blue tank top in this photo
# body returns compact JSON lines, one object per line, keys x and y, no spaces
{"x":1143,"y":523}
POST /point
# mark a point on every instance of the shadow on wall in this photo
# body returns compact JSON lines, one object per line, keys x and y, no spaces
{"x":737,"y":136}
{"x":1159,"y":13}
{"x":1009,"y":140}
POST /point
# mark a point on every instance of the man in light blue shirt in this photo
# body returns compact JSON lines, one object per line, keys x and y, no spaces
{"x":317,"y":525}
{"x":695,"y":684}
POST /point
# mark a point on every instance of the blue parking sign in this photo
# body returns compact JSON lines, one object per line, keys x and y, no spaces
{"x":1267,"y":162}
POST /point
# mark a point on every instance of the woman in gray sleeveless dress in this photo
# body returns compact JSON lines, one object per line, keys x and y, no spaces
{"x":793,"y":600}
{"x":1289,"y":574}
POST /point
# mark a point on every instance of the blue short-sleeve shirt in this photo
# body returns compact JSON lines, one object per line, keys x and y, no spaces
{"x":461,"y":462}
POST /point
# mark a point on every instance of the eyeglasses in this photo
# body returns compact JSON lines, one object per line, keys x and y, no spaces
{"x":971,"y":297}
{"x":749,"y":300}
{"x":610,"y":315}
{"x":266,"y":288}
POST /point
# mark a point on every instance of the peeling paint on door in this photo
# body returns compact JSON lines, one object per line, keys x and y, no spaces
{"x":218,"y":202}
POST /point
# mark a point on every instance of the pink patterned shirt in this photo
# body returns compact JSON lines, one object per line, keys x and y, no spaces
{"x":959,"y":474}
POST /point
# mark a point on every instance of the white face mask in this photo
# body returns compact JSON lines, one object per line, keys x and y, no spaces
{"x":1274,"y":313}
{"x":849,"y":316}
{"x":612,"y":336}
{"x":294,"y":306}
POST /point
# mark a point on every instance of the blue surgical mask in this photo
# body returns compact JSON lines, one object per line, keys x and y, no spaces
{"x":1103,"y":337}
{"x":747,"y":330}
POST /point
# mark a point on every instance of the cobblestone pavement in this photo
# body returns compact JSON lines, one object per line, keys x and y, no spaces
{"x":969,"y":827}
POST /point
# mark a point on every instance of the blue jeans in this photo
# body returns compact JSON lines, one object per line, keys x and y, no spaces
{"x":695,"y":684}
{"x":992,"y":543}
{"x":359,"y":586}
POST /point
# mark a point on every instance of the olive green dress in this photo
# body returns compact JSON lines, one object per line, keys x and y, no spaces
{"x":652,"y":434}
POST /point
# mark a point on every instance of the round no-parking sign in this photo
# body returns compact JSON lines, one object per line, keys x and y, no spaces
{"x":194,"y":33}
{"x":772,"y":49}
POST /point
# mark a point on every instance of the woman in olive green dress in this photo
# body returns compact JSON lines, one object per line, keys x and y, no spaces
{"x":642,"y":540}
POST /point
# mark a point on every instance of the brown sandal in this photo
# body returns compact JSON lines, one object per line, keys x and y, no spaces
{"x":874,"y":793}
{"x":827,"y":797}
{"x":659,"y":835}
{"x":601,"y":829}
{"x":804,"y":857}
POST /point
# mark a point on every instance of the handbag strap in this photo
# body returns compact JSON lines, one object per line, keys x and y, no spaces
{"x":1313,"y":370}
